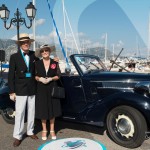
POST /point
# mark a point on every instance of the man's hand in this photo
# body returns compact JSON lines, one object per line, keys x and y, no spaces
{"x":12,"y":96}
{"x":56,"y":59}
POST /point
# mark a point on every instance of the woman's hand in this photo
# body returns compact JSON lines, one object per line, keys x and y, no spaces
{"x":49,"y":80}
{"x":43,"y":80}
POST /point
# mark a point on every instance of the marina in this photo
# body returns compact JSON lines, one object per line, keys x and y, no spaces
{"x":103,"y":51}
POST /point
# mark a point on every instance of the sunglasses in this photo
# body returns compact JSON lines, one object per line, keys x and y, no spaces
{"x":24,"y":42}
{"x":44,"y":50}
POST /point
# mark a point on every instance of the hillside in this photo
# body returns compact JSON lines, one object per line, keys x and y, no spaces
{"x":10,"y":47}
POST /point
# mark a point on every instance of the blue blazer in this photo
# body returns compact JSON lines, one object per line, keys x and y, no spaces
{"x":17,"y":81}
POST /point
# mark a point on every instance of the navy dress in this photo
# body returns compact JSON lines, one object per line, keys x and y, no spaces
{"x":46,"y":107}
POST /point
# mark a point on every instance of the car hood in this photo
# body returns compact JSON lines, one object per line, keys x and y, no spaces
{"x":120,"y":76}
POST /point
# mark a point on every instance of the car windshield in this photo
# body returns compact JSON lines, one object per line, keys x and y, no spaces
{"x":88,"y":64}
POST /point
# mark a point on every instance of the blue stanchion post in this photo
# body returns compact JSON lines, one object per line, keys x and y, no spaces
{"x":64,"y":53}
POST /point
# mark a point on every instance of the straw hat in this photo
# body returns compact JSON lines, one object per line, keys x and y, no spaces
{"x":37,"y":52}
{"x":24,"y":37}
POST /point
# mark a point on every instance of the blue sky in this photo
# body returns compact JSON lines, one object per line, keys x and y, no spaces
{"x":124,"y":21}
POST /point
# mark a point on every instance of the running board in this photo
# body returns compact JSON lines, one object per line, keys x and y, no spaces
{"x":68,"y":118}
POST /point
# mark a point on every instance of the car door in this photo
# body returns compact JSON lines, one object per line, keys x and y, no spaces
{"x":90,"y":90}
{"x":75,"y":96}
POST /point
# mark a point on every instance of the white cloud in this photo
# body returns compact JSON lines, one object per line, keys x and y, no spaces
{"x":120,"y":43}
{"x":53,"y":34}
{"x":52,"y":38}
{"x":46,"y":39}
{"x":39,"y":22}
{"x":103,"y":36}
{"x":96,"y":44}
{"x":81,"y":34}
{"x":49,"y":39}
{"x":14,"y":37}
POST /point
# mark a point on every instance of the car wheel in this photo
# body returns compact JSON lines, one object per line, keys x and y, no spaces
{"x":126,"y":126}
{"x":9,"y":115}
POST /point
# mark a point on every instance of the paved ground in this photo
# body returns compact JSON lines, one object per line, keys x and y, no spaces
{"x":64,"y":130}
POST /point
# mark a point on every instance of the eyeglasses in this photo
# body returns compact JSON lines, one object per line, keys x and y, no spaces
{"x":24,"y":42}
{"x":44,"y":50}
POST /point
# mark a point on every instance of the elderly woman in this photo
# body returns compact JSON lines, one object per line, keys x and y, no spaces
{"x":47,"y":108}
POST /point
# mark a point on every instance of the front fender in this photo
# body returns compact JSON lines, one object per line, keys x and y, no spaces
{"x":143,"y":88}
{"x":98,"y":112}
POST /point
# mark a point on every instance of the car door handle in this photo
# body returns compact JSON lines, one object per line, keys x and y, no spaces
{"x":78,"y":86}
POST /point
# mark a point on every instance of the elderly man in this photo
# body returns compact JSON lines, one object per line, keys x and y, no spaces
{"x":22,"y":85}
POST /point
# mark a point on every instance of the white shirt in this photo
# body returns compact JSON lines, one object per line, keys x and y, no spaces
{"x":26,"y":58}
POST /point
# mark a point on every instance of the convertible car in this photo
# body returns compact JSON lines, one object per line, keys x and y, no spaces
{"x":118,"y":100}
{"x":6,"y":105}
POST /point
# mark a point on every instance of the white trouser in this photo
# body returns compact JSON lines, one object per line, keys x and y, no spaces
{"x":21,"y":102}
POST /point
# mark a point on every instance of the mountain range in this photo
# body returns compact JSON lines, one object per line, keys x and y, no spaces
{"x":10,"y":47}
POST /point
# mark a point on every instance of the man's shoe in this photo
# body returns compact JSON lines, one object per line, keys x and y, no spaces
{"x":16,"y":143}
{"x":33,"y":137}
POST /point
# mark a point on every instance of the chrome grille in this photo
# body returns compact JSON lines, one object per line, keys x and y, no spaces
{"x":115,"y":84}
{"x":119,"y":85}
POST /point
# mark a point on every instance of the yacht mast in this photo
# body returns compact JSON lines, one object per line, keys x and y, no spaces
{"x":113,"y":46}
{"x":65,"y":39}
{"x":148,"y":36}
{"x":65,"y":13}
{"x":33,"y":1}
{"x":105,"y":47}
{"x":137,"y":47}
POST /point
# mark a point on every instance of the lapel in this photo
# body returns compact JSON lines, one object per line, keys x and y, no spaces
{"x":51,"y":62}
{"x":31,"y":59}
{"x":43,"y":68}
{"x":21,"y":60}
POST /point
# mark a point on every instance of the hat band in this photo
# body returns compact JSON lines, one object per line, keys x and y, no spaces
{"x":27,"y":38}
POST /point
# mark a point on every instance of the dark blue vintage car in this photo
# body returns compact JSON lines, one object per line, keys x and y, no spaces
{"x":7,"y":106}
{"x":118,"y":100}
